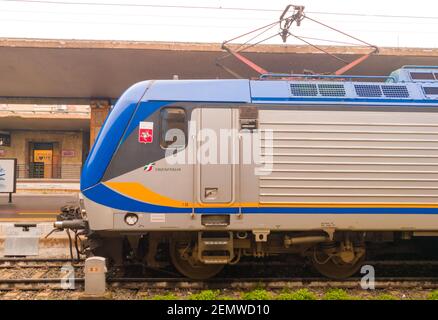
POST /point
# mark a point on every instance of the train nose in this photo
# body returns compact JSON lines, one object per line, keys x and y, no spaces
{"x":110,"y":134}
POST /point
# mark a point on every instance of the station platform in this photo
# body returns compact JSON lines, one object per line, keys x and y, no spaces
{"x":56,"y":245}
{"x":39,"y":202}
{"x":34,"y":207}
{"x":48,"y":186}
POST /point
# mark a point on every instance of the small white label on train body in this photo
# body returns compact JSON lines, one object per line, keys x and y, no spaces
{"x":158,"y":217}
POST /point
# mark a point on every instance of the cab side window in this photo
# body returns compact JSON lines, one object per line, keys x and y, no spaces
{"x":173,"y":127}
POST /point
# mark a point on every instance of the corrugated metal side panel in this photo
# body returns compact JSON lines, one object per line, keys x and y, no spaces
{"x":350,"y":157}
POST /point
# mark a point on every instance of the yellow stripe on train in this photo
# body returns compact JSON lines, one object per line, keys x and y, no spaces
{"x":139,"y":192}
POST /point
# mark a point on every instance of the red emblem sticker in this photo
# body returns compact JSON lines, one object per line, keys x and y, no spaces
{"x":146,"y":132}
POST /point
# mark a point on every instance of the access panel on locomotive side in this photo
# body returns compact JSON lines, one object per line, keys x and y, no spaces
{"x":208,"y":173}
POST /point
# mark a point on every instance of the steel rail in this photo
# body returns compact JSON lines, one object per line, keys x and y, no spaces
{"x":44,"y":282}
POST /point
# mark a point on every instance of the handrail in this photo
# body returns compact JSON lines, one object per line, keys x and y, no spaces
{"x":285,"y":75}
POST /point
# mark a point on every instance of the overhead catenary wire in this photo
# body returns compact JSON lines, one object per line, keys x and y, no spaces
{"x":186,"y":7}
{"x":110,"y":22}
{"x":319,"y":48}
{"x":243,"y":46}
{"x":212,"y":16}
{"x":390,"y":35}
{"x":327,"y":40}
{"x":340,"y":31}
{"x":214,"y":8}
{"x":48,"y":21}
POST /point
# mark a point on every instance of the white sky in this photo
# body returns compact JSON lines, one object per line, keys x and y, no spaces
{"x":75,"y":21}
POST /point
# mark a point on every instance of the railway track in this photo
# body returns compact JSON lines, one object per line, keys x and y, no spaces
{"x":8,"y":263}
{"x":46,"y":274}
{"x":36,"y":284}
{"x":11,"y":263}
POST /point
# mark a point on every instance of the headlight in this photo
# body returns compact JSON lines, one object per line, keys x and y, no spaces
{"x":131,"y":218}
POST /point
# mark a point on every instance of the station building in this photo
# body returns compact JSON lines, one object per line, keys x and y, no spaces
{"x":48,"y":141}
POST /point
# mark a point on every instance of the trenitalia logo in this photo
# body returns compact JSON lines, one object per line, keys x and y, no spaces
{"x":149,"y":167}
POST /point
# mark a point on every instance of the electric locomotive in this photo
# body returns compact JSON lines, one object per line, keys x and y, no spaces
{"x":216,"y":170}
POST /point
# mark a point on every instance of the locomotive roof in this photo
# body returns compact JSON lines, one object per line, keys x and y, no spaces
{"x":407,"y":85}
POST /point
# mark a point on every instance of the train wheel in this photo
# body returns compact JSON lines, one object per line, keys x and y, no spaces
{"x":184,"y":260}
{"x":334,"y":268}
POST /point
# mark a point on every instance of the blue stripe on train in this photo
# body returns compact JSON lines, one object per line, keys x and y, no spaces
{"x":317,"y":210}
{"x":217,"y":210}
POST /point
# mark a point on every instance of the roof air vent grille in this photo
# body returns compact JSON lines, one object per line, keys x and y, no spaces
{"x":304,"y":89}
{"x":331,"y":90}
{"x":395,"y":91}
{"x":365,"y":90}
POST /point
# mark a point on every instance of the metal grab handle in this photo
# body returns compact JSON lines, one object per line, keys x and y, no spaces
{"x":411,"y":66}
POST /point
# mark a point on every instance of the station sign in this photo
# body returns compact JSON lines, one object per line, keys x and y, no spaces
{"x":8,"y":175}
{"x":68,"y":153}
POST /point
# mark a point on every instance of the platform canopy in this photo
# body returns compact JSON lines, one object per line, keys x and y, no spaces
{"x":73,"y":71}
